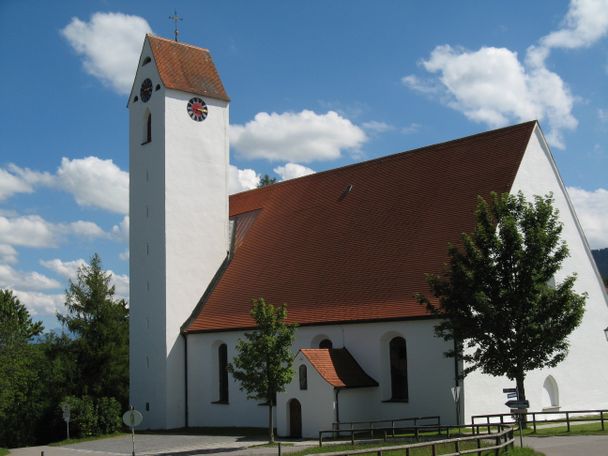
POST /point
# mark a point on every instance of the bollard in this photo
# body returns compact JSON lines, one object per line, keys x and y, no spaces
{"x":279,"y":447}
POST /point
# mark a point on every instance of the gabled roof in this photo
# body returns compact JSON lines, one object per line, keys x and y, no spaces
{"x":338,"y":367}
{"x":335,"y":256}
{"x":187,"y":68}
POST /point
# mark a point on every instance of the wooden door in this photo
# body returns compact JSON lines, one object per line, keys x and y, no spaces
{"x":295,"y":419}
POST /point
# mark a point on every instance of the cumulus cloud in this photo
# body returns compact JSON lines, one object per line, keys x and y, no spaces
{"x":8,"y":254}
{"x":34,"y":231}
{"x":493,"y":86}
{"x":300,"y":137}
{"x":39,"y":303}
{"x":109,"y":44}
{"x":120,"y":232}
{"x":592,"y":211}
{"x":240,"y":180}
{"x":377,"y":127}
{"x":14,"y":279}
{"x":292,"y":170}
{"x":92,"y":181}
{"x":95,"y":182}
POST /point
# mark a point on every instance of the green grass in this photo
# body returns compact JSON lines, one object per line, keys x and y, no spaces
{"x":575,"y":429}
{"x":441,"y":449}
{"x":85,"y":439}
{"x":525,"y":451}
{"x":3,"y":451}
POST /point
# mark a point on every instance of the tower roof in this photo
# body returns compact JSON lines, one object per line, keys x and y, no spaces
{"x":186,"y":68}
{"x":354,"y":244}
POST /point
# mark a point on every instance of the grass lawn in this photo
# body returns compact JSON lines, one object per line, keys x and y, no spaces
{"x":575,"y":429}
{"x":3,"y":451}
{"x":441,"y":449}
{"x":86,"y":439}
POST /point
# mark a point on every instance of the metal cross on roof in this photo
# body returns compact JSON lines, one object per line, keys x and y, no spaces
{"x":175,"y":18}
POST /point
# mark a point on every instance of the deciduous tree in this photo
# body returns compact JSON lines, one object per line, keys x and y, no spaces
{"x":263,"y":364}
{"x":498,"y":299}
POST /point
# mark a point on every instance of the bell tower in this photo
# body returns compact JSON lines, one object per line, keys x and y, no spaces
{"x":178,"y":209}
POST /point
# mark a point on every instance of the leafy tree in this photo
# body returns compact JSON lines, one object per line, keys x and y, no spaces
{"x":263,"y":364}
{"x":100,"y":325}
{"x":266,"y":180}
{"x":497,"y":297}
{"x":21,"y":392}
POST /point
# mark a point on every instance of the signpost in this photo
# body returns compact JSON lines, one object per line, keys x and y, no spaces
{"x":518,"y":407}
{"x":65,"y":407}
{"x":132,"y":418}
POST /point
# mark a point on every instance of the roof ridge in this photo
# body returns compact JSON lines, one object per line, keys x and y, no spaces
{"x":169,"y":41}
{"x":393,"y":156}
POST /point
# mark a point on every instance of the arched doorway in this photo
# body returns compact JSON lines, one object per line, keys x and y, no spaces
{"x":295,"y":419}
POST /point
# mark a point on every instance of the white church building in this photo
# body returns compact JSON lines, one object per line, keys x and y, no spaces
{"x":345,"y":249}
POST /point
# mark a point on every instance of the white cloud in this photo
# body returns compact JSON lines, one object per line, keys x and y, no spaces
{"x":300,"y":137}
{"x":13,"y":279}
{"x":585,"y":23}
{"x":602,"y":115}
{"x":292,"y":170}
{"x":492,"y":86}
{"x":240,"y":180}
{"x":8,"y":254}
{"x":66,"y":269}
{"x":95,"y":182}
{"x":121,"y":231}
{"x":34,"y":231}
{"x":39,"y":303}
{"x":110,"y":44}
{"x":121,"y":282}
{"x":124,"y":256}
{"x":377,"y":127}
{"x":11,"y":184}
{"x":592,"y":211}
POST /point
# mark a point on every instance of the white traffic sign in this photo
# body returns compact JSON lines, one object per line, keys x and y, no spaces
{"x":132,"y":418}
{"x":456,"y":393}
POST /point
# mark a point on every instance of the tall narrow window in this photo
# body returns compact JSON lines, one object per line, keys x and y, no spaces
{"x":303,"y":377}
{"x":398,"y":358}
{"x":149,"y":128}
{"x":222,"y":353}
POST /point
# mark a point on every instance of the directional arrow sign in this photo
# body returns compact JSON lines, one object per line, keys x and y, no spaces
{"x":509,"y":390}
{"x":518,"y":404}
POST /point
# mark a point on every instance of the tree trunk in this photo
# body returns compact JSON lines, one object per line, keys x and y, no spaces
{"x":521,"y":395}
{"x":270,"y":427}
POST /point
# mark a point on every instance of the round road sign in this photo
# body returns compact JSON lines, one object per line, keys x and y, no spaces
{"x":132,"y":418}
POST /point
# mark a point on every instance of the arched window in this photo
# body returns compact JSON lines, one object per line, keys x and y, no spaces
{"x":326,"y":343}
{"x":149,"y":128}
{"x":303,"y":377}
{"x":222,"y":354}
{"x":550,"y":393}
{"x":398,"y":360}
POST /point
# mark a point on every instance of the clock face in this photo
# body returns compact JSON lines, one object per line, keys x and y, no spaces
{"x":197,"y":109}
{"x":145,"y":92}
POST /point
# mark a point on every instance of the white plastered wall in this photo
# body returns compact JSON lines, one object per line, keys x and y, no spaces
{"x":582,"y":378}
{"x":430,"y":375}
{"x":178,"y":237}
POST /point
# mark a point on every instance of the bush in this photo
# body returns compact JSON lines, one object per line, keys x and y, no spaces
{"x":90,"y":418}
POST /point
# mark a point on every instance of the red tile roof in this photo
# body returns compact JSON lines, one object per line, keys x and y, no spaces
{"x":187,"y":68}
{"x":334,"y":256}
{"x":338,"y":367}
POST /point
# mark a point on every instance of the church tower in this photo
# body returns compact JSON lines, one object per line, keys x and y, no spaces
{"x":178,"y":208}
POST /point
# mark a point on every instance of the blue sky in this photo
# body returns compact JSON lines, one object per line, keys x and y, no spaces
{"x":336,"y":82}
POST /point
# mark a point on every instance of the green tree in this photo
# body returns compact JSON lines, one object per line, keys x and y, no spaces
{"x":263,"y":364}
{"x":100,"y":324}
{"x":498,"y":299}
{"x":21,"y":391}
{"x":266,"y":180}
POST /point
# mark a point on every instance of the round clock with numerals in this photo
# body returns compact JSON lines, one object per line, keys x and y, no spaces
{"x":197,"y":109}
{"x":145,"y":92}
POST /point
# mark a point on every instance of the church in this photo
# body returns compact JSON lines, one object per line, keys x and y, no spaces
{"x":345,"y":249}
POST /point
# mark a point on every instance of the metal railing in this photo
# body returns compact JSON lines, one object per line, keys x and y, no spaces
{"x":395,"y":432}
{"x":503,"y":438}
{"x":565,"y":416}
